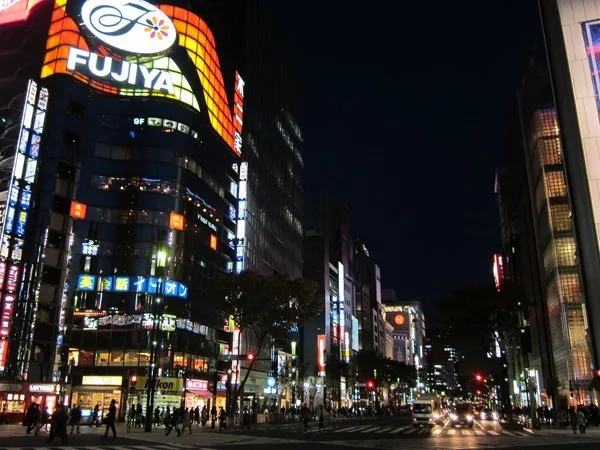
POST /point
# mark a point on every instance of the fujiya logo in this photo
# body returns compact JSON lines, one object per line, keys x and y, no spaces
{"x":133,"y":26}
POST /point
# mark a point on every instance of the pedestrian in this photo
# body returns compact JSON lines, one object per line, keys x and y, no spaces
{"x":32,"y":417}
{"x":581,"y":421}
{"x":44,"y":419}
{"x":75,"y":418}
{"x":197,"y":415}
{"x":96,"y":416}
{"x":222,"y":419}
{"x":322,"y":420}
{"x":110,"y":419}
{"x":246,"y":420}
{"x":204,"y":415}
{"x":213,"y":416}
{"x":58,"y":425}
{"x":187,"y":420}
{"x":173,"y":422}
{"x":573,"y":419}
{"x":305,"y":417}
{"x":562,"y":418}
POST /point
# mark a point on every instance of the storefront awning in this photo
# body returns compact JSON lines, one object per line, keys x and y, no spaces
{"x":96,"y":388}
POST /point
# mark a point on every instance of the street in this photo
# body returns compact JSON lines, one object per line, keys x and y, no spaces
{"x":376,"y":433}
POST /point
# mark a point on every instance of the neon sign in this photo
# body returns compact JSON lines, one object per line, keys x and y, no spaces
{"x":127,"y":48}
{"x":133,"y":26}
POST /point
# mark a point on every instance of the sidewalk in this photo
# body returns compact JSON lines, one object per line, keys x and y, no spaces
{"x":547,"y":431}
{"x":200,"y":437}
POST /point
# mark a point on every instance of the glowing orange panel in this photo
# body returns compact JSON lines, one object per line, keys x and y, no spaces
{"x":78,"y":210}
{"x":176,"y":221}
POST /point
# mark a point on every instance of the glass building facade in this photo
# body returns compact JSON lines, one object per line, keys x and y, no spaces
{"x":131,"y":209}
{"x":557,"y":250}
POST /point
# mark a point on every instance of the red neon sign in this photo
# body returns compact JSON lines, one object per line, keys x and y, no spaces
{"x":16,"y":10}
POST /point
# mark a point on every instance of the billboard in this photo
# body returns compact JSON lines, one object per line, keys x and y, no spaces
{"x":400,"y":320}
{"x":321,"y":355}
{"x":132,"y":48}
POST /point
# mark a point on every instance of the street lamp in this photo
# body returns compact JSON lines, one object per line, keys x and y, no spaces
{"x":161,"y":261}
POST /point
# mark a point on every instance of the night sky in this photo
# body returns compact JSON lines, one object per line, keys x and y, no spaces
{"x":407,"y":106}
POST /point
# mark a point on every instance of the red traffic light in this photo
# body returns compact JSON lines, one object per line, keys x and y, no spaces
{"x":478,"y":377}
{"x":132,"y":380}
{"x":370,"y":384}
{"x":250,"y":356}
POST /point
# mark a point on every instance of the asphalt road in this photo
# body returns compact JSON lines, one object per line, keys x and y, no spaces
{"x":411,"y":446}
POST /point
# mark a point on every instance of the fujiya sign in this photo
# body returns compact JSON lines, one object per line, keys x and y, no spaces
{"x":122,"y":72}
{"x":133,"y":26}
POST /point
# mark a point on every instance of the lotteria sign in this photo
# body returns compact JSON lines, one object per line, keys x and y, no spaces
{"x":127,"y":48}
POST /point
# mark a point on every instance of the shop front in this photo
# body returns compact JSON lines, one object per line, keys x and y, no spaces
{"x":12,"y":401}
{"x":97,"y":390}
{"x":197,"y":394}
{"x":168,"y":392}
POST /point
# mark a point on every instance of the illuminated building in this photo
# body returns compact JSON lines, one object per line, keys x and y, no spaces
{"x":577,"y":112}
{"x":123,"y":202}
{"x":553,"y":247}
{"x":332,"y":339}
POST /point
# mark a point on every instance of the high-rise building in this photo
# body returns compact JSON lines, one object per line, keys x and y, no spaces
{"x":563,"y":154}
{"x":128,"y":189}
{"x":330,"y":341}
{"x":408,"y":322}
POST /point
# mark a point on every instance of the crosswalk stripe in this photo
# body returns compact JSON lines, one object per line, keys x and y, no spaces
{"x":368,"y":430}
{"x":479,"y":432}
{"x":452,"y":432}
{"x":346,"y":429}
{"x":493,"y":433}
{"x":438,"y":431}
{"x":384,"y":430}
{"x":464,"y":432}
{"x":401,"y":430}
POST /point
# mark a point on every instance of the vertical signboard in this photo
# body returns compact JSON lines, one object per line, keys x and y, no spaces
{"x":321,"y":354}
{"x":18,"y":203}
{"x":241,"y":222}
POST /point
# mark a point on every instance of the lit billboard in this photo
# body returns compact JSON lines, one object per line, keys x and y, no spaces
{"x":132,"y":48}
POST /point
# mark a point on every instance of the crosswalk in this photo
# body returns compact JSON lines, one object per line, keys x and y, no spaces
{"x":410,"y":430}
{"x":116,"y":447}
{"x":459,"y":444}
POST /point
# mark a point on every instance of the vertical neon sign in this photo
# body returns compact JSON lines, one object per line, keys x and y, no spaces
{"x":18,"y":203}
{"x":242,"y":213}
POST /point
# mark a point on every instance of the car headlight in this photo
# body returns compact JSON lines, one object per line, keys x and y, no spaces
{"x":453,"y":416}
{"x":495,"y":416}
{"x":436,"y":416}
{"x":483,"y":416}
{"x":469,"y":418}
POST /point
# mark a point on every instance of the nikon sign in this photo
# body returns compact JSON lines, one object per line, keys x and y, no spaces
{"x":161,"y":384}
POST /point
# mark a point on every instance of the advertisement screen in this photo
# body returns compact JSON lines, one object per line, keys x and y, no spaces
{"x":132,"y":48}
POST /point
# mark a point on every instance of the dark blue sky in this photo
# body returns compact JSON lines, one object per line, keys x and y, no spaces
{"x":407,"y":106}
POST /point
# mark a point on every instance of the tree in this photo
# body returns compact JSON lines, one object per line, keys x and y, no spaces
{"x":266,"y":307}
{"x":385,"y":371}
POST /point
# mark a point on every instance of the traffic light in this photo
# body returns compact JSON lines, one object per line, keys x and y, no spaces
{"x":478,"y":377}
{"x":250,"y":356}
{"x":370,"y":385}
{"x":132,"y":382}
{"x":247,"y":357}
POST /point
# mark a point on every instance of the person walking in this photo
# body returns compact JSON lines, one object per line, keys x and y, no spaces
{"x":197,"y":415}
{"x":581,"y":421}
{"x":305,"y":417}
{"x":187,"y":420}
{"x":110,"y":419}
{"x":573,"y":419}
{"x":222,"y":419}
{"x":75,"y":418}
{"x":58,"y":425}
{"x":213,"y":416}
{"x":173,"y":422}
{"x":95,"y":416}
{"x":32,"y":415}
{"x":322,"y":420}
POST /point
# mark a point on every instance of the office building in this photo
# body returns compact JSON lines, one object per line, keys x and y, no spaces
{"x":128,"y":190}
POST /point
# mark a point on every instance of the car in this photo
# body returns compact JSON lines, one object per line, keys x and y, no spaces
{"x":488,"y":414}
{"x":462,"y":416}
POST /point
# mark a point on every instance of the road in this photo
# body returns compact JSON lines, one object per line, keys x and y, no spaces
{"x":382,"y":434}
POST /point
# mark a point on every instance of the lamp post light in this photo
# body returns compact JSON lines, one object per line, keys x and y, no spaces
{"x":161,"y":261}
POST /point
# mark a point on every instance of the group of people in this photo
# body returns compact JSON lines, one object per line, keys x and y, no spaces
{"x":36,"y":419}
{"x":182,"y":419}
